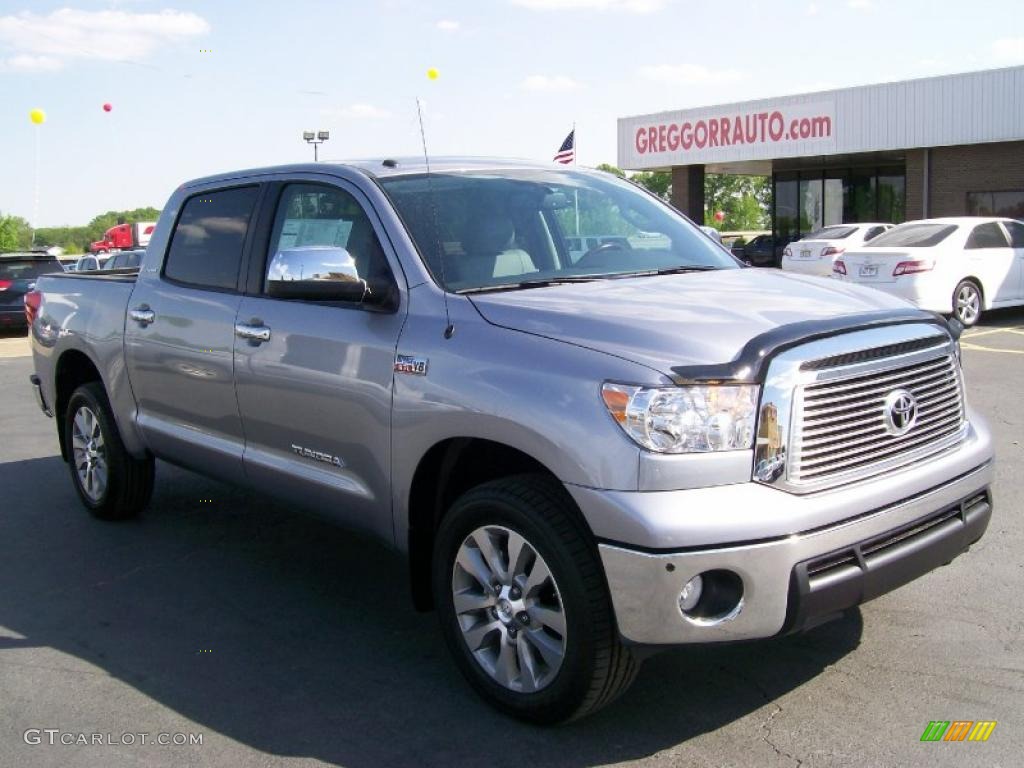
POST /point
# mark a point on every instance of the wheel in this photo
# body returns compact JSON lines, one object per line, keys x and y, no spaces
{"x":111,"y":483}
{"x":967,"y":303}
{"x":523,"y":603}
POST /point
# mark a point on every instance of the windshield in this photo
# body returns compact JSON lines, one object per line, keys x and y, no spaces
{"x":28,"y":268}
{"x":913,"y":236}
{"x":831,"y":233}
{"x":499,"y":229}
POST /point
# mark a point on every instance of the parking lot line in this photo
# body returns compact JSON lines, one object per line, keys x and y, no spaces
{"x":980,"y":348}
{"x":990,"y":331}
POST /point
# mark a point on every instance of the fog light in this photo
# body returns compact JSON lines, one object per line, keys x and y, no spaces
{"x":691,"y":593}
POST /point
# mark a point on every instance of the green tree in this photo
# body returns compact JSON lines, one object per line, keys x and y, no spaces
{"x":745,"y":201}
{"x":15,"y":233}
{"x":607,"y":168}
{"x":657,"y":182}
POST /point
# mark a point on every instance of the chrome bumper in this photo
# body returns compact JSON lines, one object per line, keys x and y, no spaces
{"x":37,"y":390}
{"x":645,"y":586}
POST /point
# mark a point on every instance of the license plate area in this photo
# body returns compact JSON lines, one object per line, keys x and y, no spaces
{"x":805,"y":253}
{"x":868,"y":270}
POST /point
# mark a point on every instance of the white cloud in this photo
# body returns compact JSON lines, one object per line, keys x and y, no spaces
{"x":630,"y":6}
{"x":448,"y":25}
{"x":860,"y":5}
{"x":28,"y":63}
{"x":688,"y":74}
{"x":1008,"y":50}
{"x":549,"y":83}
{"x":50,"y":40}
{"x":358,"y":112}
{"x":812,"y":9}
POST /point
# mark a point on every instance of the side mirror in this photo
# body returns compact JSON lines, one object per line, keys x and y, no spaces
{"x":322,"y":273}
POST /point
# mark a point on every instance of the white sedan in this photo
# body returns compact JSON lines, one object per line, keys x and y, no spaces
{"x":816,"y":252}
{"x":958,"y":266}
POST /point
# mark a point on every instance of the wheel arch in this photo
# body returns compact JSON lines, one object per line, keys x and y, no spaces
{"x":74,"y":368}
{"x":446,"y":471}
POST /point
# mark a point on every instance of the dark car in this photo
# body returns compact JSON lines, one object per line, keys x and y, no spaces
{"x":18,"y":273}
{"x":759,"y":252}
{"x":125,"y":259}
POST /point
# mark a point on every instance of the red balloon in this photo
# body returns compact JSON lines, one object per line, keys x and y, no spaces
{"x":107,"y":107}
{"x":719,"y":216}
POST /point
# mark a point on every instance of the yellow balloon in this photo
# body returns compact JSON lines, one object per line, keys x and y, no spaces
{"x":433,"y":73}
{"x":37,"y":116}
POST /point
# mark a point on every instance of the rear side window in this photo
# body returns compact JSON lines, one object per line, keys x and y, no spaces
{"x":988,"y":235}
{"x":1016,"y":230}
{"x":206,"y":246}
{"x":922,"y":235}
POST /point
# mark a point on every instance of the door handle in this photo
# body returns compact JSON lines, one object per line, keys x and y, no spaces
{"x":252,"y":333}
{"x":142,"y":315}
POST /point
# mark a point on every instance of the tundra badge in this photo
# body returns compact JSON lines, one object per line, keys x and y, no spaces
{"x":415,"y":366}
{"x":309,"y":453}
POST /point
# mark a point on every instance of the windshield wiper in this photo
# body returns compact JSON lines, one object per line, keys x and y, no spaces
{"x":670,"y":271}
{"x":531,"y":284}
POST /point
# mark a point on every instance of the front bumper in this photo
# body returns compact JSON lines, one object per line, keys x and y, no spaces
{"x":792,"y":582}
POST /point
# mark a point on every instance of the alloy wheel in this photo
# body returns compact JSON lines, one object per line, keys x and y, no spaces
{"x":509,"y":609}
{"x":89,"y":453}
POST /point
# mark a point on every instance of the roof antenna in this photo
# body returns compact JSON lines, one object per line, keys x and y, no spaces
{"x":449,"y":329}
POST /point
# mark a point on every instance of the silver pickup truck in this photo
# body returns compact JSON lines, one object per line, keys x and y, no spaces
{"x":582,"y":456}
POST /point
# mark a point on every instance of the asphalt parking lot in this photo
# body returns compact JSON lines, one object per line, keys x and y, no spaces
{"x":286,"y":641}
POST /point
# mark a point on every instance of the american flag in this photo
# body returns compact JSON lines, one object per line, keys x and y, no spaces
{"x":567,"y":152}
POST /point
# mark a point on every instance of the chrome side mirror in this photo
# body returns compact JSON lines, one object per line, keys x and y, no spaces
{"x":316,"y":273}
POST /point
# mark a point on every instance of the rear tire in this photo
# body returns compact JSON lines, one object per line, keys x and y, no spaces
{"x":967,"y":303}
{"x":112,"y":484}
{"x":515,"y":664}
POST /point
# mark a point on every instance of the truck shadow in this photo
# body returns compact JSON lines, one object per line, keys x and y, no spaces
{"x":291,"y":636}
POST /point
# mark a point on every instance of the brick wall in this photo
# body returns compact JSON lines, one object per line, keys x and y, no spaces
{"x":914,"y":208}
{"x":955,"y":171}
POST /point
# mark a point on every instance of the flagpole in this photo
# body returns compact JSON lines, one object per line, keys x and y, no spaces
{"x":576,"y":192}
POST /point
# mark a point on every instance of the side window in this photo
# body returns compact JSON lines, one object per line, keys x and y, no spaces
{"x":1016,"y":230}
{"x":873,"y":232}
{"x":206,"y":245}
{"x":323,"y":247}
{"x":987,"y":236}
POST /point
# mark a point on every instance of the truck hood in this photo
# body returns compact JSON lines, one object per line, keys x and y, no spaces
{"x":697,"y":318}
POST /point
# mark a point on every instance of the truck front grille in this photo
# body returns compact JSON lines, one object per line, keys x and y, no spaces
{"x":839,"y":424}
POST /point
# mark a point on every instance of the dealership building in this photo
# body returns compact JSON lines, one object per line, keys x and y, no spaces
{"x":937,"y":146}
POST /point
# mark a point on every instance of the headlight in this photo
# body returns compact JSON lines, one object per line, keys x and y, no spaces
{"x":693,"y":419}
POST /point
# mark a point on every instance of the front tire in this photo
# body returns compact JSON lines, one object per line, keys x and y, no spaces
{"x":967,"y":303}
{"x":523,"y":603}
{"x":112,"y":484}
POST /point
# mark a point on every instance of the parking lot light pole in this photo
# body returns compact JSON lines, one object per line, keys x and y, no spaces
{"x":316,"y":139}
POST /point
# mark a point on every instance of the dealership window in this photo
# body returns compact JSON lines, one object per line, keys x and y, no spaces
{"x":807,"y":200}
{"x":786,"y":207}
{"x":1008,"y":203}
{"x":892,"y":194}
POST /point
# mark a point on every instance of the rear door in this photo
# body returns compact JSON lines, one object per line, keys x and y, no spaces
{"x":313,"y":371}
{"x":990,"y":258}
{"x":1015,"y":230}
{"x":179,"y":334}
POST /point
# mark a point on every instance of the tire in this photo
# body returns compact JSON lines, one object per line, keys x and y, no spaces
{"x":594,"y":667}
{"x":118,"y":486}
{"x":967,"y":302}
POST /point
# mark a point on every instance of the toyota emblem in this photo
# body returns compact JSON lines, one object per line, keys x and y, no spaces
{"x":899,"y":412}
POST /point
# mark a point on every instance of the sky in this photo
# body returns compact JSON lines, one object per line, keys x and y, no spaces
{"x":202,"y":87}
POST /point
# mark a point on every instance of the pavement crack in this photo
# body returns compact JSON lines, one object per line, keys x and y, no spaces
{"x":766,"y":732}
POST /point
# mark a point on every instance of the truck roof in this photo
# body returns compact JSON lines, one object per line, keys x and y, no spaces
{"x":383,"y":167}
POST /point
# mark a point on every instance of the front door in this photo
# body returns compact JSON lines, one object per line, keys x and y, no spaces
{"x":990,"y":257}
{"x":179,"y":336}
{"x":314,"y":367}
{"x":1016,"y":232}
